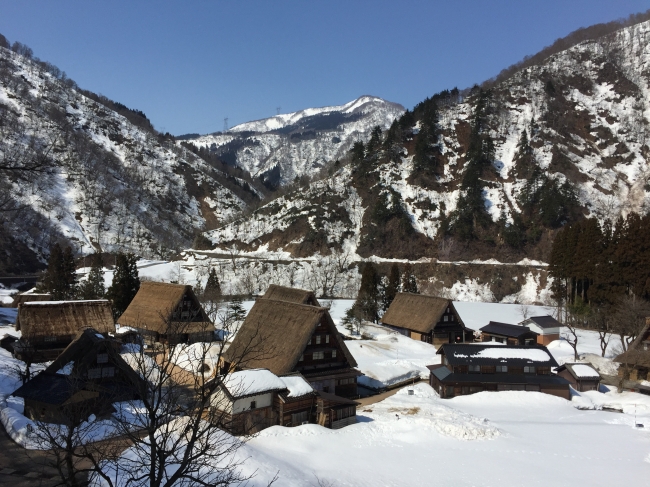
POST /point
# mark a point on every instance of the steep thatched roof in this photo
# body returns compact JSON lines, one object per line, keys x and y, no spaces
{"x":28,"y":297}
{"x":275,"y":334}
{"x":291,"y":295}
{"x":415,"y":312}
{"x":40,"y":319}
{"x":153,"y":306}
{"x":636,"y":355}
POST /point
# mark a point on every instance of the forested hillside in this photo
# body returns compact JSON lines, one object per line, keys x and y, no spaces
{"x":77,"y":167}
{"x":491,"y":172}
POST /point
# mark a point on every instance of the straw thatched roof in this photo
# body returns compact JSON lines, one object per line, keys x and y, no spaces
{"x":153,"y":306}
{"x":635,"y":354}
{"x":291,"y":295}
{"x":28,"y":297}
{"x":275,"y":334}
{"x":40,"y":319}
{"x":415,"y":312}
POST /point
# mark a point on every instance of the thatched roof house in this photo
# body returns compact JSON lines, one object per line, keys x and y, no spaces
{"x":291,"y":295}
{"x":86,"y":378}
{"x":636,"y":360}
{"x":427,"y":318}
{"x":47,"y":327}
{"x":28,"y":297}
{"x":286,"y":337}
{"x":161,"y":310}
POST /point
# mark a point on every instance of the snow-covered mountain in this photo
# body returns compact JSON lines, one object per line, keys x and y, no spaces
{"x":110,"y":184}
{"x":281,"y":148}
{"x":586,"y":113}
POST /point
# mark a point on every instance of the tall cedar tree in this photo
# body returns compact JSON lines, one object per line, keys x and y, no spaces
{"x":236,"y":309}
{"x":126,"y":283}
{"x":93,"y":287}
{"x":212,"y":289}
{"x":368,"y":299}
{"x":409,"y":282}
{"x":426,"y":145}
{"x":60,"y":279}
{"x":392,"y":287}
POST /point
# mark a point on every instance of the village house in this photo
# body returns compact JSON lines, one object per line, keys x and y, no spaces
{"x":163,"y":312}
{"x":291,"y":295}
{"x":426,"y":318}
{"x":546,"y":327}
{"x":508,"y":334}
{"x":582,"y":377}
{"x":470,"y":368}
{"x":287,"y":337}
{"x":48,"y":327}
{"x":86,"y":378}
{"x":635,"y":362}
{"x":249,"y":401}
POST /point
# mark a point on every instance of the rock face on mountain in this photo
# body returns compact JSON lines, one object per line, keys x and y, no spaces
{"x":566,"y":138}
{"x":72,"y":169}
{"x":282,"y":148}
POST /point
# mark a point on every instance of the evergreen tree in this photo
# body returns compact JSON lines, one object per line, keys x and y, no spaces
{"x":392,"y":287}
{"x":93,"y":286}
{"x":60,"y":279}
{"x":236,"y":309}
{"x":368,"y":299}
{"x":426,"y":145}
{"x":409,"y":281}
{"x":126,"y":283}
{"x":212,"y":289}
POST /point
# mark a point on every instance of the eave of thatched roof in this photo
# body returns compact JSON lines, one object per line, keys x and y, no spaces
{"x":27,"y":297}
{"x":291,"y":295}
{"x":153,"y":306}
{"x":275,"y":334}
{"x":415,"y":312}
{"x":40,"y":319}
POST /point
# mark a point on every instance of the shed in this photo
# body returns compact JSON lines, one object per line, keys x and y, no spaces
{"x":546,"y":327}
{"x":635,"y":362}
{"x":427,"y":318}
{"x":163,"y":312}
{"x":291,"y":295}
{"x":47,"y":327}
{"x":507,"y":333}
{"x":583,"y":377}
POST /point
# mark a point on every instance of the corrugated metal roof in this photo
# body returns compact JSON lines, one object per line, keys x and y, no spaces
{"x":505,"y":329}
{"x":503,"y":379}
{"x":480,"y":354}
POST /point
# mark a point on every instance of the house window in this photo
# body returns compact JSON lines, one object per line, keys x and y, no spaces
{"x":446,"y":318}
{"x":50,"y":339}
{"x":529,"y":369}
{"x":502,"y":368}
{"x":299,"y":418}
{"x":94,"y":373}
{"x":543,"y":370}
{"x":333,"y":353}
{"x":318,"y":355}
{"x":108,"y":372}
{"x":253,"y":405}
{"x":475,"y":368}
{"x":327,"y":338}
{"x":317,"y":339}
{"x":102,"y":358}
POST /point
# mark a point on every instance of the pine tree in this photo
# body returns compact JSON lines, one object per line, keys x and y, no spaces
{"x":93,"y":287}
{"x":409,"y":281}
{"x":236,"y":309}
{"x":368,"y":299}
{"x":392,"y":287}
{"x":60,"y":279}
{"x":126,"y":283}
{"x":212,"y":289}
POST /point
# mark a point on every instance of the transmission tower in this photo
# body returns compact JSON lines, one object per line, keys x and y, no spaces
{"x":277,"y":110}
{"x":225,"y":124}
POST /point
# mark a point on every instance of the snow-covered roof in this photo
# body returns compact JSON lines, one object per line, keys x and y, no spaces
{"x":584,"y":370}
{"x":297,"y":386}
{"x":50,"y":303}
{"x":532,"y":354}
{"x":488,"y":354}
{"x":250,"y":382}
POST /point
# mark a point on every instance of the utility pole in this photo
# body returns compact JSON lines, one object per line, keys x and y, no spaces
{"x":277,"y":110}
{"x":225,"y":124}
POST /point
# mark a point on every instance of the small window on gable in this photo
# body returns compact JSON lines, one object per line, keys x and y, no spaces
{"x":446,"y":318}
{"x":94,"y":373}
{"x":327,"y":338}
{"x":317,"y":339}
{"x":108,"y":372}
{"x":253,"y":404}
{"x":102,"y":358}
{"x":333,"y":353}
{"x":318,"y":355}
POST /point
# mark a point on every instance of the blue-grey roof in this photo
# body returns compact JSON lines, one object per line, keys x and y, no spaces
{"x":505,"y":329}
{"x":502,"y":379}
{"x":545,"y":321}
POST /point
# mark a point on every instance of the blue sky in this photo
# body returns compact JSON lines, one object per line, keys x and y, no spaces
{"x":189,"y":64}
